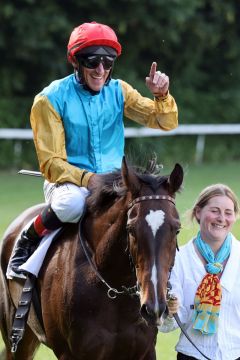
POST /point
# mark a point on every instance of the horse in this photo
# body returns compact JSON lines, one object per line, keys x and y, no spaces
{"x":103,"y":283}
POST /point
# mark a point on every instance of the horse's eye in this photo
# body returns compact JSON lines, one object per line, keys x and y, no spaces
{"x":178,"y":231}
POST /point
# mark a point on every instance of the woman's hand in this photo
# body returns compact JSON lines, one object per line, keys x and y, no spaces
{"x":173,"y":305}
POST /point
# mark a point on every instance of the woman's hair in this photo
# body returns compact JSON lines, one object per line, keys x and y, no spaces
{"x":209,"y":192}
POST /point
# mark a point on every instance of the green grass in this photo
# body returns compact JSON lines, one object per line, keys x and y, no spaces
{"x":19,"y":192}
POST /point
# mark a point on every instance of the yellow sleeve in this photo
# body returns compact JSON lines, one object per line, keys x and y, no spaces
{"x":49,"y":140}
{"x":160,"y":113}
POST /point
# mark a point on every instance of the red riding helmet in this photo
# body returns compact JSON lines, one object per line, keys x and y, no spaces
{"x":90,"y":34}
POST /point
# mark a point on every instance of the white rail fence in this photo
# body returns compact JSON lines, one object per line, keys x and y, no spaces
{"x":200,"y":130}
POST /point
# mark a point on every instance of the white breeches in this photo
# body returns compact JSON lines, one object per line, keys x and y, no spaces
{"x":67,"y":200}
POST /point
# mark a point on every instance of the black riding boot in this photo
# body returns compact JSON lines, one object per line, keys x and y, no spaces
{"x":24,"y":248}
{"x":30,"y":238}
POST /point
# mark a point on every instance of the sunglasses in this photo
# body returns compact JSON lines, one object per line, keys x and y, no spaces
{"x":93,"y":61}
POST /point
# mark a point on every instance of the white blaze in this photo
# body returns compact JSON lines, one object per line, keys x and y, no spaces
{"x":154,"y":281}
{"x":155,"y":219}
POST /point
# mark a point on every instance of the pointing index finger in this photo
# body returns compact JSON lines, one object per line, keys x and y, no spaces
{"x":153,"y":70}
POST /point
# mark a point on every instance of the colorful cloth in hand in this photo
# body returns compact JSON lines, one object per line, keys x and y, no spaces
{"x":208,"y":296}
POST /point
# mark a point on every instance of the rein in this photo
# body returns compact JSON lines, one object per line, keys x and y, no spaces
{"x":112,"y":292}
{"x":178,"y":321}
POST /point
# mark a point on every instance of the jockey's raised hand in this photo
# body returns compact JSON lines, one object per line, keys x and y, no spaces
{"x":157,"y":82}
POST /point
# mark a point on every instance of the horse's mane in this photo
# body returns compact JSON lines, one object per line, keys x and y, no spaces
{"x":110,"y":186}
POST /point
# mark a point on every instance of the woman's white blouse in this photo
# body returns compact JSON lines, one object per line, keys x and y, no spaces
{"x":186,"y":275}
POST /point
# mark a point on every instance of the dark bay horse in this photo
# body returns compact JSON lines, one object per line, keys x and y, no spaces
{"x":127,"y":241}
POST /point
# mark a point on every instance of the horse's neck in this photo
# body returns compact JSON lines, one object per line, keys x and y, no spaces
{"x":107,"y":233}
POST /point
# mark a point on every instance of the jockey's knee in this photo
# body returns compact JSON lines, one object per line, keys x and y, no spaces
{"x":68,"y":202}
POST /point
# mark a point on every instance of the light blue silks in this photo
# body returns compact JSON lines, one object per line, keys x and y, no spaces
{"x":208,"y":296}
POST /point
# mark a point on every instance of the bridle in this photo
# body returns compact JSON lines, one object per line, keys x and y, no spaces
{"x":144,"y":198}
{"x":169,"y":287}
{"x":151,"y":197}
{"x":112,"y":292}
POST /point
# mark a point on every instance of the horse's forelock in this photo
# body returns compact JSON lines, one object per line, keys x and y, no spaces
{"x":153,"y":181}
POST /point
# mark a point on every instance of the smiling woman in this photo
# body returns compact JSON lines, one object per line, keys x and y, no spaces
{"x":205,"y":270}
{"x":217,"y":216}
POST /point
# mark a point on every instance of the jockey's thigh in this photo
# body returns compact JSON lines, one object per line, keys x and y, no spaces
{"x":67,"y":200}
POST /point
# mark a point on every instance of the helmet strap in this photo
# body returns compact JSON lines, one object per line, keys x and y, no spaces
{"x":109,"y":76}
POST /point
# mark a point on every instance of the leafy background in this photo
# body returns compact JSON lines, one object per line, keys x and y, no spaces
{"x":196,"y":42}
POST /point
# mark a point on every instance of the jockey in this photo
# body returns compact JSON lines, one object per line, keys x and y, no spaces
{"x":78,"y":129}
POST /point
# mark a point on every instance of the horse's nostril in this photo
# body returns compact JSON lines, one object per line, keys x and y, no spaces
{"x":148,"y":314}
{"x":143,"y":310}
{"x":162,"y":309}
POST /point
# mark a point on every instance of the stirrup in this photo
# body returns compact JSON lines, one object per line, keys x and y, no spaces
{"x":12,"y":274}
{"x":21,"y":314}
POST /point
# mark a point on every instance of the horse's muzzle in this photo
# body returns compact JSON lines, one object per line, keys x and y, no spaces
{"x":151,"y":315}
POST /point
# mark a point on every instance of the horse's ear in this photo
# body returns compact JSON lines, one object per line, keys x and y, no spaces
{"x":130,"y":179}
{"x":176,"y":178}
